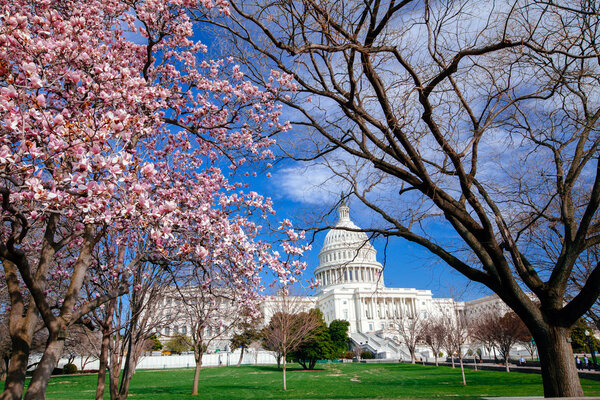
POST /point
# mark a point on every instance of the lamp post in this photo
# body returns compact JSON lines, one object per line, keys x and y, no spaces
{"x":535,"y":347}
{"x":591,"y":345}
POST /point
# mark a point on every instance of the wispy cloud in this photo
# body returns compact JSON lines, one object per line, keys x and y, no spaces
{"x":309,"y":184}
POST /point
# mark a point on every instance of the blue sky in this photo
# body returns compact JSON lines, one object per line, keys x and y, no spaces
{"x":301,"y":197}
{"x":407,"y":265}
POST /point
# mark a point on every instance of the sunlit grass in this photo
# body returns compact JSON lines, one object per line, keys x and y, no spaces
{"x":330,"y":381}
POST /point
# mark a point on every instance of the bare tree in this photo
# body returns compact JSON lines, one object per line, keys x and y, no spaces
{"x":507,"y":331}
{"x":434,"y":334}
{"x":493,"y":127}
{"x":289,"y":327}
{"x":244,"y":339}
{"x":457,"y":336}
{"x":213,"y":312}
{"x":410,"y":328}
{"x":482,"y":330}
{"x":84,"y":342}
{"x":133,"y":322}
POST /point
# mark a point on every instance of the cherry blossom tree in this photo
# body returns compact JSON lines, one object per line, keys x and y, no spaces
{"x":114,"y":122}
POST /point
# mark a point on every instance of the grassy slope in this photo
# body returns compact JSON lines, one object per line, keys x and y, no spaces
{"x":333,"y":381}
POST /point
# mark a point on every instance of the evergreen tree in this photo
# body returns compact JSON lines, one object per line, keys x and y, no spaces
{"x":317,"y":346}
{"x":338,"y":331}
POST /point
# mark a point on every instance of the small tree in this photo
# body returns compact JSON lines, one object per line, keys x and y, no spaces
{"x":243,"y":340}
{"x":579,"y":341}
{"x":457,"y":336}
{"x":482,"y":331}
{"x":316,"y":346}
{"x":434,"y":334}
{"x":179,"y":344}
{"x":289,"y":327}
{"x":153,"y":343}
{"x":508,"y":330}
{"x":338,"y":331}
{"x":410,"y":328}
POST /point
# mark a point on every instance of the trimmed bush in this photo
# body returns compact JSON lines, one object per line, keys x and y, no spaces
{"x":69,"y":369}
{"x":367,"y":355}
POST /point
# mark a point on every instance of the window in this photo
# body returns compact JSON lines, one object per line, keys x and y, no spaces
{"x":183,"y":330}
{"x":346,"y":314}
{"x":167,"y":331}
{"x":345,"y":302}
{"x":370,"y":327}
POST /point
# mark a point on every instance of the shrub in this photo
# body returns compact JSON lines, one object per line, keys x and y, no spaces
{"x":367,"y":355}
{"x":69,"y":368}
{"x":349,"y":355}
{"x":179,"y":344}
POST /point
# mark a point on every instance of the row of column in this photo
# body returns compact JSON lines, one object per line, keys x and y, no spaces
{"x":344,"y":255}
{"x":381,"y":308}
{"x":348,"y":274}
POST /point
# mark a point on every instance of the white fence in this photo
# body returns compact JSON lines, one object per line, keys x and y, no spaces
{"x":251,"y":357}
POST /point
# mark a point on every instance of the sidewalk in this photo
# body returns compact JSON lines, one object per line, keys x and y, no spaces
{"x":541,"y":398}
{"x":595,"y":375}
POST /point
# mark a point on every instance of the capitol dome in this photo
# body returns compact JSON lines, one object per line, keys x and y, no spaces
{"x":347,"y":257}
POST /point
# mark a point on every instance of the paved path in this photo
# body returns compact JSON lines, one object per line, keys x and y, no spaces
{"x":541,"y":398}
{"x":588,"y":374}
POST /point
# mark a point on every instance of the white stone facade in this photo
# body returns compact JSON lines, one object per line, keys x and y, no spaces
{"x":351,"y":287}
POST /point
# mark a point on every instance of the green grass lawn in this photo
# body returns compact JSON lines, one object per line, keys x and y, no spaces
{"x":331,"y":381}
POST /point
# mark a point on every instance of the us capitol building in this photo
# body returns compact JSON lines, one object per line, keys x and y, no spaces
{"x":351,"y":287}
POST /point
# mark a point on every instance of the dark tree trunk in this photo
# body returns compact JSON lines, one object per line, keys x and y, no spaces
{"x":17,"y":366}
{"x":114,"y":370}
{"x":559,"y":372}
{"x":104,"y":347}
{"x":41,"y":375}
{"x":6,"y":360}
{"x":128,"y":371}
{"x":21,"y":326}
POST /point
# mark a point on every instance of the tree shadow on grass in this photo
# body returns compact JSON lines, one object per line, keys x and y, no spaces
{"x":273,"y":368}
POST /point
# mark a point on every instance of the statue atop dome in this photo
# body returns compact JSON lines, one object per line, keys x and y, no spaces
{"x":343,"y":210}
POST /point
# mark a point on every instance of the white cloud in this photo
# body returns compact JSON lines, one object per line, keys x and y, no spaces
{"x":314,"y":184}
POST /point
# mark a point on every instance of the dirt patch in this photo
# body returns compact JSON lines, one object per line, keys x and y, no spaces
{"x":306,"y":370}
